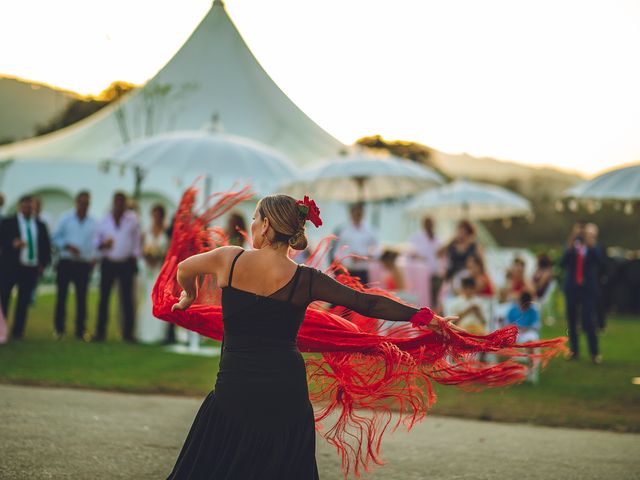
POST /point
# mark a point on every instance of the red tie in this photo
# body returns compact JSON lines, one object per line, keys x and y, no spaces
{"x":579,"y":266}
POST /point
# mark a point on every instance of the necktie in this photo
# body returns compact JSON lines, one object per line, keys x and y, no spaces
{"x":31,"y":252}
{"x":580,"y":266}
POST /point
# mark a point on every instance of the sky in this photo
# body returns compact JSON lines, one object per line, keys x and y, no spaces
{"x":537,"y":82}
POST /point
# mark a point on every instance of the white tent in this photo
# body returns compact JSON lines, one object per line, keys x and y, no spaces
{"x":213,"y":73}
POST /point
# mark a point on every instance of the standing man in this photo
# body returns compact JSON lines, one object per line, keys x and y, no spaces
{"x":580,"y":263}
{"x":75,"y":239}
{"x":25,"y":251}
{"x":118,"y":240}
{"x":356,"y":243}
{"x":591,"y":232}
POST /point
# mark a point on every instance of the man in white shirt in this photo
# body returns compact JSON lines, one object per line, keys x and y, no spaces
{"x":118,"y":240}
{"x":25,"y":251}
{"x":74,"y":238}
{"x":356,"y":244}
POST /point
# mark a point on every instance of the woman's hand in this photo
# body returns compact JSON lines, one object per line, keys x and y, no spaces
{"x":184,"y":302}
{"x":425,"y":317}
{"x":436,"y":327}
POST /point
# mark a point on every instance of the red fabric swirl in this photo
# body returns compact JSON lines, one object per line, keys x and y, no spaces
{"x":367,"y":368}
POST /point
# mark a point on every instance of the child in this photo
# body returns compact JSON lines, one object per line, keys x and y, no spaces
{"x":468,"y":306}
{"x":526,"y":317}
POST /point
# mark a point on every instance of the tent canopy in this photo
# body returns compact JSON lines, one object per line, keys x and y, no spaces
{"x":213,"y":73}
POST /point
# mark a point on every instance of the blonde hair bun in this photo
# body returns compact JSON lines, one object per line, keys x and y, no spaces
{"x":298,"y":241}
{"x":285,"y":219}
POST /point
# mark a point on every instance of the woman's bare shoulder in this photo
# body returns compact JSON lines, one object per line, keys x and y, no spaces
{"x":221,"y":257}
{"x":228,"y":250}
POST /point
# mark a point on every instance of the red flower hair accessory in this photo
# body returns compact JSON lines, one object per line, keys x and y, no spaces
{"x":422,"y":317}
{"x":309,"y":211}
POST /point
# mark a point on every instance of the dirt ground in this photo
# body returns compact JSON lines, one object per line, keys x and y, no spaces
{"x":77,"y":434}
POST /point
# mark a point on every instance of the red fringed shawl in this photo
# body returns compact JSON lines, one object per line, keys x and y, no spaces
{"x":368,"y":368}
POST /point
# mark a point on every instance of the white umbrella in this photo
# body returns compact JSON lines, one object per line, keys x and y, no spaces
{"x":620,"y":184}
{"x":222,"y":158}
{"x":362,"y":176}
{"x":462,"y":199}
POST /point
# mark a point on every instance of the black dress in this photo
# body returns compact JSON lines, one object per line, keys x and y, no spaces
{"x":258,"y":423}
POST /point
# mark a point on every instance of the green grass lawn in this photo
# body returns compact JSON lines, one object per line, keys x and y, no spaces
{"x":575,"y":394}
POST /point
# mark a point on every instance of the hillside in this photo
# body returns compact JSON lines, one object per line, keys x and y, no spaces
{"x":458,"y":164}
{"x":24,"y":105}
{"x":533,"y":182}
{"x":529,"y":180}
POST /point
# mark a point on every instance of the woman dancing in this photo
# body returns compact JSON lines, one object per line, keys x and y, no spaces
{"x":259,"y":423}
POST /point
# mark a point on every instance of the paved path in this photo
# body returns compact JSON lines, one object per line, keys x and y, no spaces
{"x":76,"y":434}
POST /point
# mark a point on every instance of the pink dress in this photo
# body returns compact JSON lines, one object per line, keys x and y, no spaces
{"x":3,"y":328}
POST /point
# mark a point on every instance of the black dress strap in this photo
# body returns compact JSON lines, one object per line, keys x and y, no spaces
{"x":312,"y":273}
{"x":233,"y":265}
{"x":295,"y":282}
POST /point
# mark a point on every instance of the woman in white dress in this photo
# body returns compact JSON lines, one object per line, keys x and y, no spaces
{"x":154,"y":248}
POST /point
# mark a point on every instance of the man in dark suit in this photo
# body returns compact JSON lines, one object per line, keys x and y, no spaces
{"x":25,"y":251}
{"x":580,"y":263}
{"x":591,"y":237}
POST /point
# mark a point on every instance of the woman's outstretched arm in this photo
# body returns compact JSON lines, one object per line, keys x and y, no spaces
{"x":190,"y":269}
{"x":324,"y":288}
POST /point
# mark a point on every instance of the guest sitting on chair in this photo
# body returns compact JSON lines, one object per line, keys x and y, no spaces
{"x":392,"y":279}
{"x":476,"y":269}
{"x":516,"y":282}
{"x":526,"y":317}
{"x":469,"y":308}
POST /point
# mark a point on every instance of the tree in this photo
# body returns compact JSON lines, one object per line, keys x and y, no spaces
{"x":401,"y":148}
{"x":84,"y":107}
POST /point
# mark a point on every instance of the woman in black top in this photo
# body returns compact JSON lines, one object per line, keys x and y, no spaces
{"x":259,"y":423}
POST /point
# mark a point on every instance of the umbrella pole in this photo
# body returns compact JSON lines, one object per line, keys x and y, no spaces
{"x":138,"y":173}
{"x":375,"y":215}
{"x":465,"y":211}
{"x":360,"y":186}
{"x":194,"y":338}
